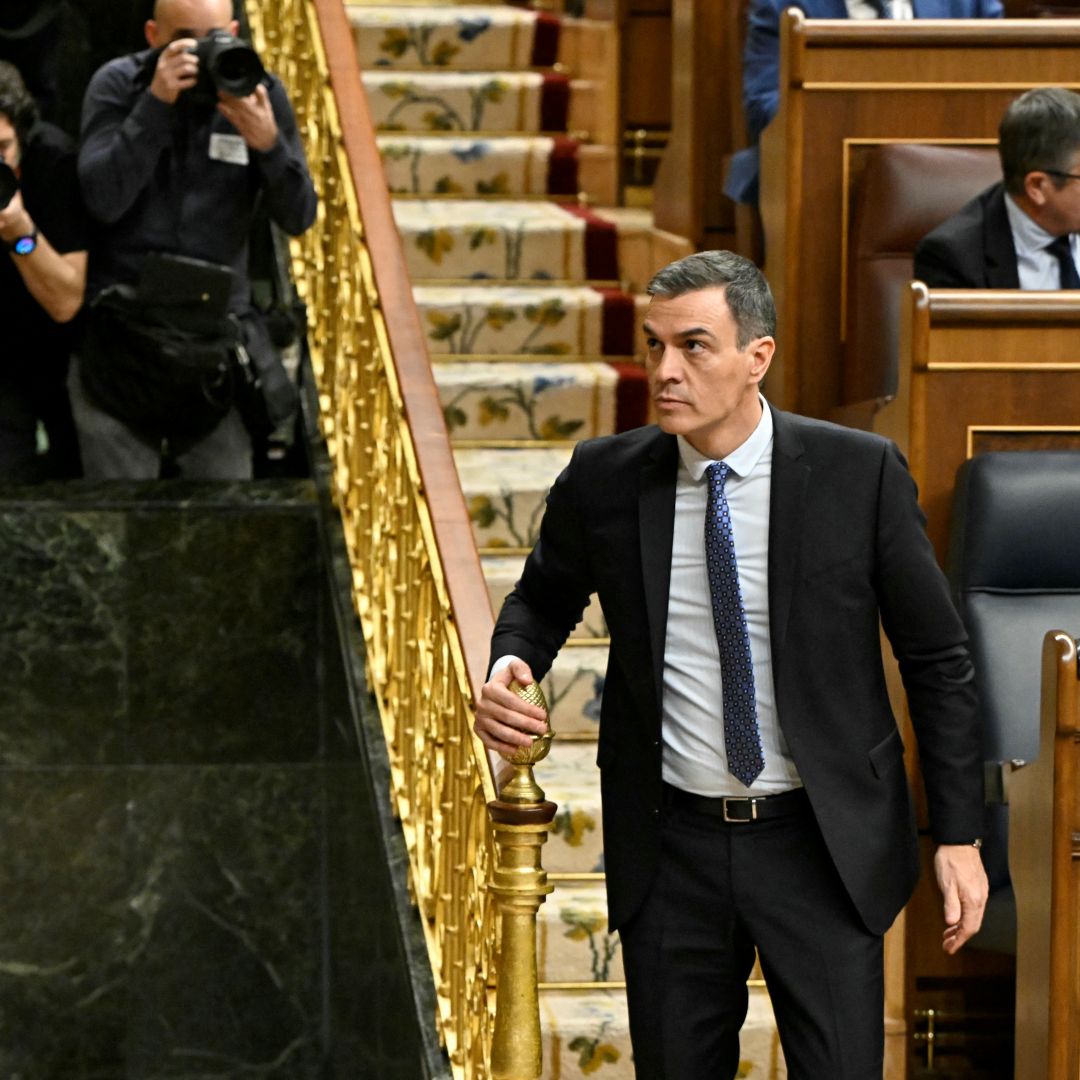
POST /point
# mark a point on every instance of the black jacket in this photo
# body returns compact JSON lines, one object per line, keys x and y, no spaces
{"x":971,"y":250}
{"x":847,"y":545}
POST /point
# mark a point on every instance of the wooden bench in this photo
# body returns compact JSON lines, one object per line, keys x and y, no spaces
{"x":847,"y":86}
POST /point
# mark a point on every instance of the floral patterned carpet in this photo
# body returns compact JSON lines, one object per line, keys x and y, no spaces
{"x":517,"y":283}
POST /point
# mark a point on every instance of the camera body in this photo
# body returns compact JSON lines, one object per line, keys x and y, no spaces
{"x":9,"y":183}
{"x":227,"y":64}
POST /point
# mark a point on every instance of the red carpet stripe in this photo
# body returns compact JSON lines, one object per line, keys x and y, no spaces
{"x":601,"y":245}
{"x":554,"y":102}
{"x":563,"y":167}
{"x":545,"y":40}
{"x":617,"y":337}
{"x":631,"y":396}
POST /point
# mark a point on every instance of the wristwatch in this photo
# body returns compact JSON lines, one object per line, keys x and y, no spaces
{"x":24,"y":245}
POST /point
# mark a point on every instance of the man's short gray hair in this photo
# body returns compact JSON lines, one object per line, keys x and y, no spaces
{"x":748,"y":296}
{"x":1040,"y":131}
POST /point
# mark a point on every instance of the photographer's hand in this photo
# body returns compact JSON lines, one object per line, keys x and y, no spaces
{"x":14,"y":220}
{"x":177,"y":70}
{"x":252,"y":116}
{"x":57,"y":282}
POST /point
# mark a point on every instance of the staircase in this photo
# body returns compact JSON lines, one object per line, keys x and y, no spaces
{"x":497,"y":135}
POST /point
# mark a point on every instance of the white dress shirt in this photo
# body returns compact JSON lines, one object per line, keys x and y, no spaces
{"x":694,"y":758}
{"x":864,"y":9}
{"x":1038,"y":269}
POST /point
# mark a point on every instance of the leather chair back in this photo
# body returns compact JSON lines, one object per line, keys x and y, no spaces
{"x":906,"y":190}
{"x":1014,"y":564}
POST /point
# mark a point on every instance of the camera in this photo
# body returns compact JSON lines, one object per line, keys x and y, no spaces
{"x":227,"y":64}
{"x":9,"y":183}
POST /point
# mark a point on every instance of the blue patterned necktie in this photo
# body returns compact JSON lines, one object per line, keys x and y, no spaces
{"x":1062,"y":251}
{"x":742,"y":737}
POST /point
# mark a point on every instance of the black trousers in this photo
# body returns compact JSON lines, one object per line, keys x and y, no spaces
{"x":722,"y":891}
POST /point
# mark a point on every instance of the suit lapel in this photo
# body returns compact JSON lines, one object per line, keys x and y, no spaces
{"x":790,"y":476}
{"x":656,"y":530}
{"x":1001,"y":268}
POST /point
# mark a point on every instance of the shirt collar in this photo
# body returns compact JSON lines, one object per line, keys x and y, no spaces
{"x":743,"y":460}
{"x":1028,"y":235}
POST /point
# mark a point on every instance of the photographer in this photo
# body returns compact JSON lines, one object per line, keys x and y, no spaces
{"x":171,"y":163}
{"x":42,"y":278}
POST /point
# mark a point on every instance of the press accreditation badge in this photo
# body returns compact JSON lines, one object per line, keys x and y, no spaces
{"x":228,"y":148}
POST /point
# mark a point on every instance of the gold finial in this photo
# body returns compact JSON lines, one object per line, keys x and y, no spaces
{"x":523,"y":788}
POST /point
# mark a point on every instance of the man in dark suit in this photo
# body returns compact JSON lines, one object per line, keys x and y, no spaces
{"x":754,"y":793}
{"x":761,"y":61}
{"x":1023,"y":232}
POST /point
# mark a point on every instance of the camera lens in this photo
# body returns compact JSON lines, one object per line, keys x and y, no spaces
{"x":233,"y":64}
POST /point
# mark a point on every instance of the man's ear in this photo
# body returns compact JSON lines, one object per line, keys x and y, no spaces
{"x":234,"y":27}
{"x":761,"y":354}
{"x":150,"y":30}
{"x":1035,"y":187}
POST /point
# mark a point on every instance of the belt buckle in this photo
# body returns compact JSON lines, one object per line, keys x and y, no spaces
{"x":740,"y":820}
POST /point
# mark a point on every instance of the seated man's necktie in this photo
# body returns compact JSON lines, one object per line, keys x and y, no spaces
{"x":1061,"y":249}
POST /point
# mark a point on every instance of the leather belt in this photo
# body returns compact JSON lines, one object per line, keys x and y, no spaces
{"x":739,"y":809}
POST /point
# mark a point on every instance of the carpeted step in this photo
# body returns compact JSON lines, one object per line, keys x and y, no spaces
{"x":574,"y":687}
{"x":586,"y":1033}
{"x":465,"y":37}
{"x":571,"y":780}
{"x":504,"y":101}
{"x":551,"y":402}
{"x":573,"y":943}
{"x":439,"y":165}
{"x":505,"y":491}
{"x":477,"y":320}
{"x":504,"y":240}
{"x":501,"y":573}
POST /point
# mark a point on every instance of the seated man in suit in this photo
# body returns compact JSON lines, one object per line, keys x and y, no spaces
{"x":752,"y":777}
{"x":1020,"y":233}
{"x":761,"y":61}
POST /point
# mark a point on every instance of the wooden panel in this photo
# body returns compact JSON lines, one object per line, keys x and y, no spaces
{"x":846,"y":80}
{"x":646,"y":84}
{"x":1044,"y":860}
{"x":978,"y":368}
{"x":688,"y":200}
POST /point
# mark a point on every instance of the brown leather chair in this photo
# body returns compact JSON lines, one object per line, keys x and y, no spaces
{"x":905,"y":190}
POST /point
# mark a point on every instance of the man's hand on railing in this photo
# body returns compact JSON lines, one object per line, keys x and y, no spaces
{"x":503,"y":720}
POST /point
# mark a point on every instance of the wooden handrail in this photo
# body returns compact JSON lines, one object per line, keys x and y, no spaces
{"x":1009,"y":305}
{"x":417,"y":583}
{"x":953,"y":33}
{"x":469,"y":599}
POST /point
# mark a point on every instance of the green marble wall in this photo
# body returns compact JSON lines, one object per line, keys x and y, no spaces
{"x":193,"y":867}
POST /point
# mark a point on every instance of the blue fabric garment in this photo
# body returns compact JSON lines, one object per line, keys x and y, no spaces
{"x":761,"y":68}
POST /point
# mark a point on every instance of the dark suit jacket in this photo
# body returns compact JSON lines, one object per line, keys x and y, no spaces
{"x":846,"y":544}
{"x":761,"y":67}
{"x":971,"y":250}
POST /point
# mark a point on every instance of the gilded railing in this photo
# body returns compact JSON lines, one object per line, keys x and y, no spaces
{"x":417,"y":583}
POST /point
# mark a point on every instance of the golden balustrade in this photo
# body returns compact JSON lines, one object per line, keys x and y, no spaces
{"x":417,"y":585}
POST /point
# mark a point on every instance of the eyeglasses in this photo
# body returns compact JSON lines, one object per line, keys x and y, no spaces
{"x":1061,"y":175}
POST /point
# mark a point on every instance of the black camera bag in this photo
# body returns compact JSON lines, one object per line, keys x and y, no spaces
{"x":168,"y":371}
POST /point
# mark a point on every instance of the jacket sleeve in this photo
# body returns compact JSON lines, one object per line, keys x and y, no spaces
{"x":124,"y":131}
{"x":287,"y":187}
{"x":930,"y":645}
{"x":547,"y":603}
{"x":761,"y":66}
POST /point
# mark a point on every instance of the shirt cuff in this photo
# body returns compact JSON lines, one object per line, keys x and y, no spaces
{"x":502,"y":664}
